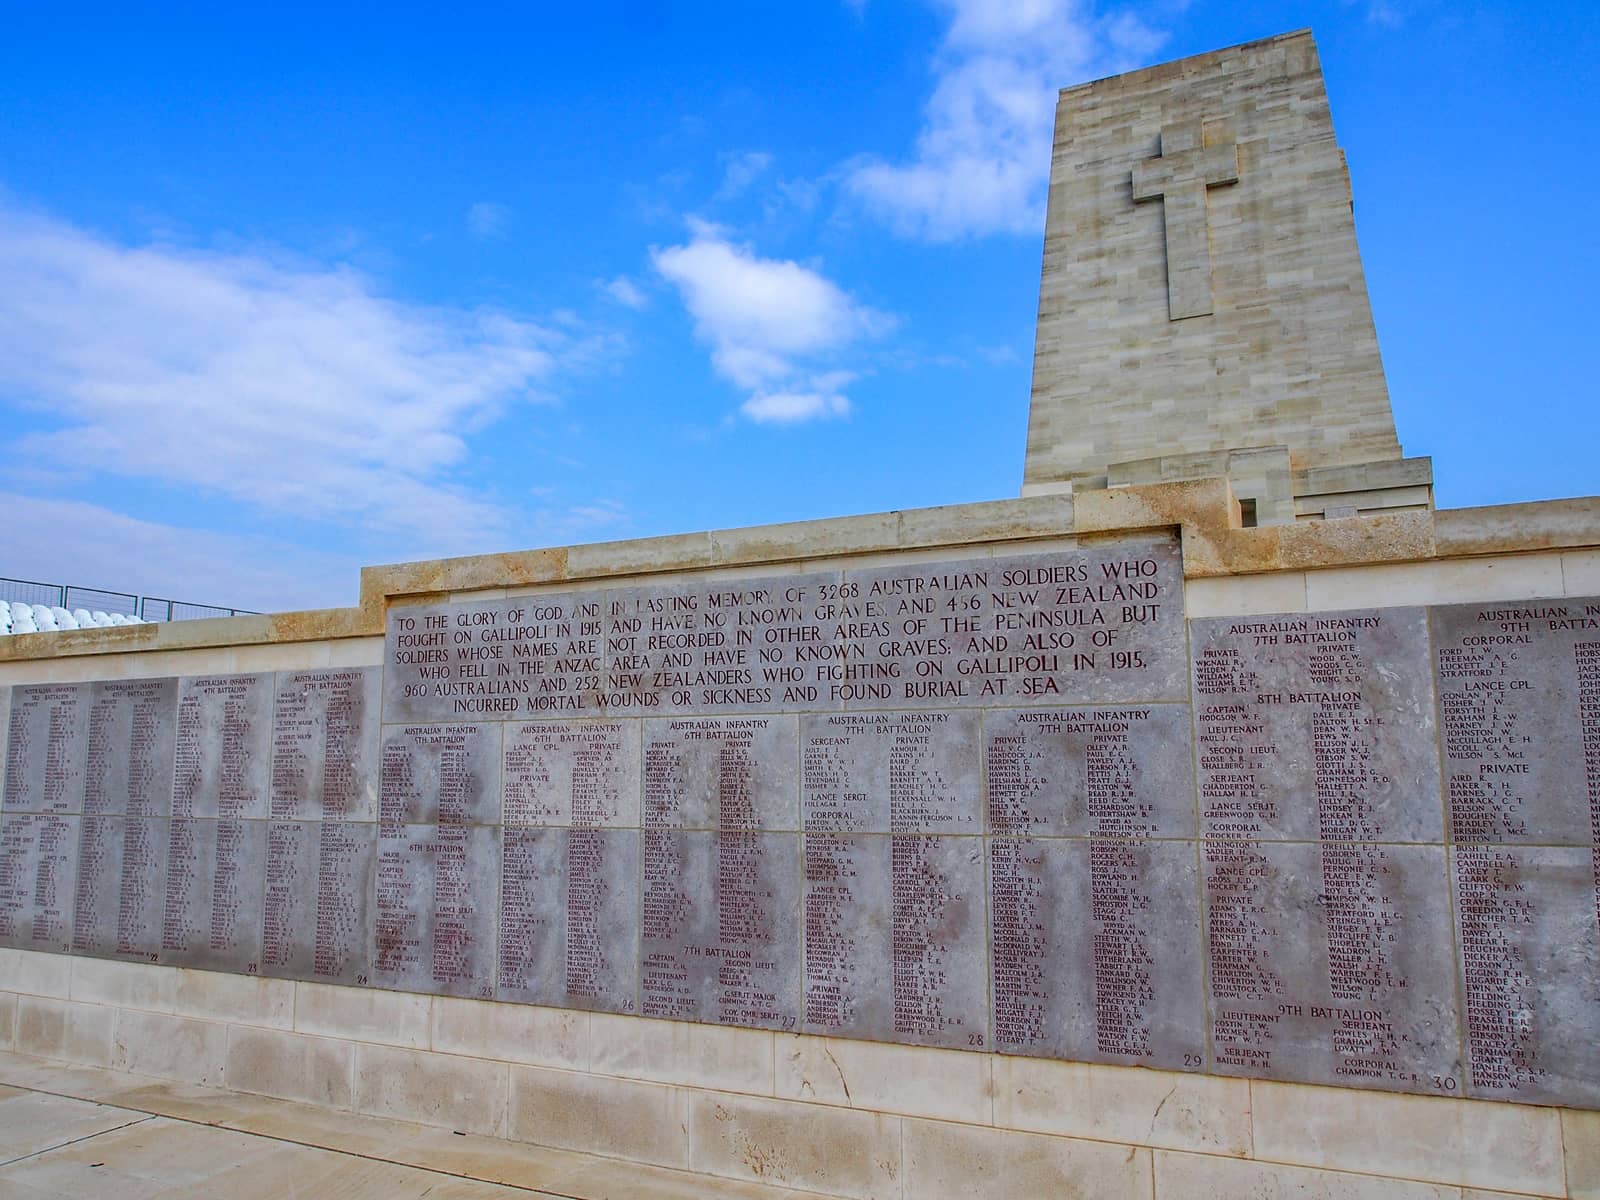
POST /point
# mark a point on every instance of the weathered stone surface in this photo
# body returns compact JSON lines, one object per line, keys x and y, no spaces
{"x":1079,"y":772}
{"x":734,"y":773}
{"x":892,"y":773}
{"x":212,"y":914}
{"x":317,"y":900}
{"x":495,"y":659}
{"x":224,"y":746}
{"x":719,"y":938}
{"x":569,"y":918}
{"x":434,"y":926}
{"x":1095,"y":624}
{"x":38,"y":871}
{"x":707,"y":647}
{"x":857,"y":869}
{"x":325,"y":745}
{"x":131,"y":735}
{"x":119,"y":893}
{"x":1317,"y":726}
{"x":894,"y":945}
{"x":1331,"y":963}
{"x":46,"y":747}
{"x":1286,"y":355}
{"x":1519,"y":711}
{"x":1099,"y":624}
{"x":1095,"y":950}
{"x":1529,"y":936}
{"x":441,"y":774}
{"x":580,"y":773}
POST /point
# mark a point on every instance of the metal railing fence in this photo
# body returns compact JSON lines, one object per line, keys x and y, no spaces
{"x":70,"y":596}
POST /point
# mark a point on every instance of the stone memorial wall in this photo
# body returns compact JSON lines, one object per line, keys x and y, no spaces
{"x":1010,"y":803}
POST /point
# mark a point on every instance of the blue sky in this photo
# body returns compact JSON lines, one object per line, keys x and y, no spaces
{"x":282,"y":295}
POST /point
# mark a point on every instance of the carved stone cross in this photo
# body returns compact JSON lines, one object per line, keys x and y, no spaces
{"x":1180,"y":178}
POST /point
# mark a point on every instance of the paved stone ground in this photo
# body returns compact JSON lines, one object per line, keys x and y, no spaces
{"x":82,"y":1132}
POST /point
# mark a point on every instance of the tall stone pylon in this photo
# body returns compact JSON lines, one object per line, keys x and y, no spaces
{"x":1203,"y":310}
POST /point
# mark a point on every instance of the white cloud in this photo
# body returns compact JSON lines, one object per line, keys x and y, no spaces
{"x":741,"y":171}
{"x":291,"y":388}
{"x":790,"y":407}
{"x":486,"y":219}
{"x":764,"y":318}
{"x":625,"y":292}
{"x":983,"y":155}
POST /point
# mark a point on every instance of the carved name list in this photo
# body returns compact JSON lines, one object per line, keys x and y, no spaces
{"x":1009,"y":802}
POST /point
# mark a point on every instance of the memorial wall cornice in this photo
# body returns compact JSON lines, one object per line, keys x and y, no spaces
{"x":1203,"y":511}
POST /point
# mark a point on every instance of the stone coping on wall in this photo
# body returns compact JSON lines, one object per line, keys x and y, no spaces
{"x":1204,"y":511}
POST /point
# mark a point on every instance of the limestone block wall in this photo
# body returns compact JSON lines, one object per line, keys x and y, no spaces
{"x":836,"y":1116}
{"x":843,"y":1118}
{"x":1284,"y":352}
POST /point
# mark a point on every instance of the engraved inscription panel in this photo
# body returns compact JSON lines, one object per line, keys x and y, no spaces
{"x":315,"y":906}
{"x":434,"y":924}
{"x":1094,"y":896}
{"x":582,"y":773}
{"x":718,"y":940}
{"x":1095,"y":948}
{"x":46,"y":747}
{"x":119,"y":890}
{"x":892,"y":773}
{"x":130,"y":744}
{"x":224,"y":746}
{"x":1331,"y":963}
{"x":444,"y":774}
{"x":720,"y":773}
{"x":1077,"y":772}
{"x":325,"y":745}
{"x":1318,"y":778}
{"x":1100,"y":624}
{"x":1519,"y":711}
{"x":894,"y":938}
{"x":894,"y":885}
{"x":1518,"y":691}
{"x":569,"y":917}
{"x":211,"y":917}
{"x":1530,"y":971}
{"x":38,"y":872}
{"x":1330,"y":707}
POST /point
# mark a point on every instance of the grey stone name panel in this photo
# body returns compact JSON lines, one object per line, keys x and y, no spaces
{"x":224,"y":747}
{"x":38,"y":877}
{"x":324,"y":729}
{"x":1317,"y":726}
{"x":46,"y":748}
{"x":119,"y":901}
{"x":1078,"y":625}
{"x":1096,"y":950}
{"x":138,"y":821}
{"x":1323,"y":865}
{"x":434,"y":911}
{"x":316,"y":917}
{"x":569,"y":917}
{"x":1355,"y":848}
{"x":446,"y":774}
{"x":1519,"y":714}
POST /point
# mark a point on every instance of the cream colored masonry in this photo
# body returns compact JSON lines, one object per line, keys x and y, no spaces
{"x":840,"y":1118}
